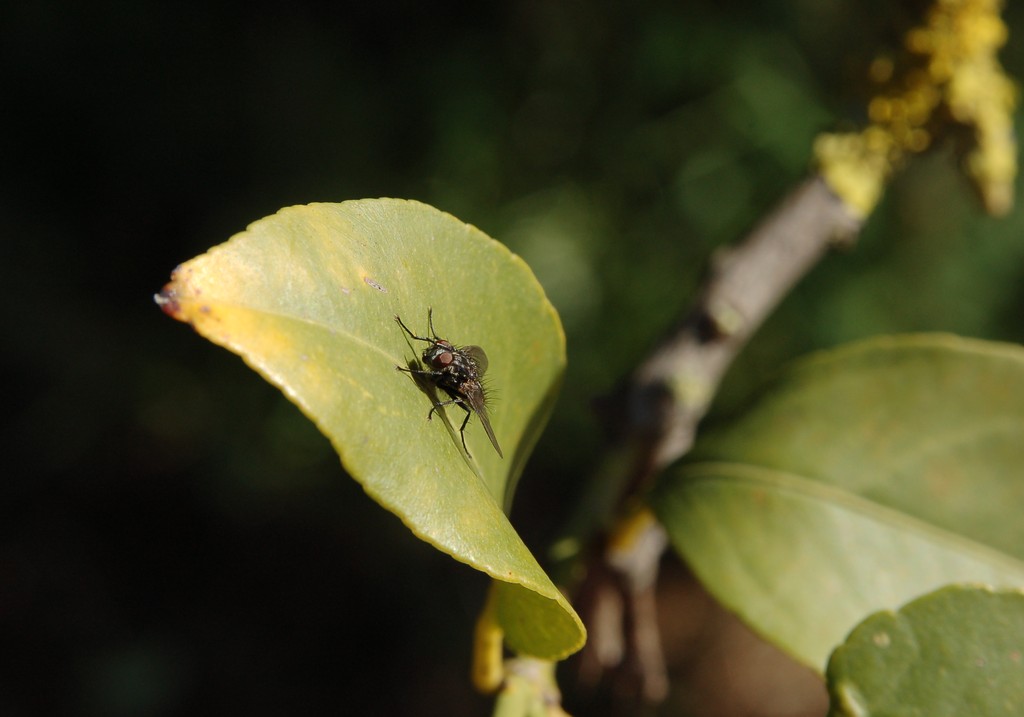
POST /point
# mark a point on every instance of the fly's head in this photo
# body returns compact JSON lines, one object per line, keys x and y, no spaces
{"x":440,"y":354}
{"x":456,"y":364}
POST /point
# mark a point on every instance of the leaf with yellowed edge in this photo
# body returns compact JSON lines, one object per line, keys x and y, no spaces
{"x":307,"y":297}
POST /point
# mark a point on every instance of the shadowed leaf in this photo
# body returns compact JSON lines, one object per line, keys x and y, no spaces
{"x":957,"y":651}
{"x":862,"y":478}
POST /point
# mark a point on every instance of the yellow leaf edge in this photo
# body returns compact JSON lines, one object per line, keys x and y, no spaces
{"x":517,"y":597}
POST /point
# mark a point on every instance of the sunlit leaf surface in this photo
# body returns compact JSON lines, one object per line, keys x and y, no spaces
{"x":308,"y":298}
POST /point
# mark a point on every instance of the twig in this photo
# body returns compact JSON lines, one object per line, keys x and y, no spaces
{"x":670,"y":392}
{"x":949,"y":82}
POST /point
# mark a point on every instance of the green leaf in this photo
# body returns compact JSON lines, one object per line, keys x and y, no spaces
{"x":958,"y":651}
{"x":308,"y":298}
{"x":862,"y":478}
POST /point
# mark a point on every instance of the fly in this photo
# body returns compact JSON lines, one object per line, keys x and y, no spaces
{"x":457,"y":370}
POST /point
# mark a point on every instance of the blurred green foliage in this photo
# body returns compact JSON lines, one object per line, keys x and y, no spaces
{"x":169,"y":516}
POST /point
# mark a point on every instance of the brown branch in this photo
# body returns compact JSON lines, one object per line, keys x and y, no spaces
{"x":950,"y":78}
{"x":745,"y":284}
{"x":669,"y":393}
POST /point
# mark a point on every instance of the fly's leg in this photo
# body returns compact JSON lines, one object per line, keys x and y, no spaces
{"x":430,"y":321}
{"x":439,"y":404}
{"x":442,"y":404}
{"x":433,"y":375}
{"x":462,"y":428}
{"x":419,"y":372}
{"x":430,"y":325}
{"x":409,"y":331}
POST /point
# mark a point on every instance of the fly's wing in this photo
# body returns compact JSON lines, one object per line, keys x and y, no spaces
{"x":473,"y":394}
{"x":479,"y":358}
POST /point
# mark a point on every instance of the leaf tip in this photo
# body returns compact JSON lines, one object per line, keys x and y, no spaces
{"x":168,"y":302}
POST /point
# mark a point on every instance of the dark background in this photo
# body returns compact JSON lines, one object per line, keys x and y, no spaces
{"x":175,"y":538}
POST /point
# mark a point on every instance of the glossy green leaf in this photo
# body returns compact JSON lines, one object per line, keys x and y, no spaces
{"x":308,"y":298}
{"x":958,"y":651}
{"x":862,"y":478}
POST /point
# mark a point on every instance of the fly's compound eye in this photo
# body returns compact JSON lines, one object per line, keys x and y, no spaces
{"x":444,"y":358}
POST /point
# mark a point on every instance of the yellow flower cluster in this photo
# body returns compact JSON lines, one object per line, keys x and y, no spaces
{"x":948,"y":83}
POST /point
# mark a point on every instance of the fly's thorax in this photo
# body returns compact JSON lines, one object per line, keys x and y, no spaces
{"x":453,"y":365}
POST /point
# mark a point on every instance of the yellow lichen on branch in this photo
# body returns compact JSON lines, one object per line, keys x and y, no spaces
{"x":948,"y":82}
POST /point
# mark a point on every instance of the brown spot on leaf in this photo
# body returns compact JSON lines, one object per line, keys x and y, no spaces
{"x":374,"y":284}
